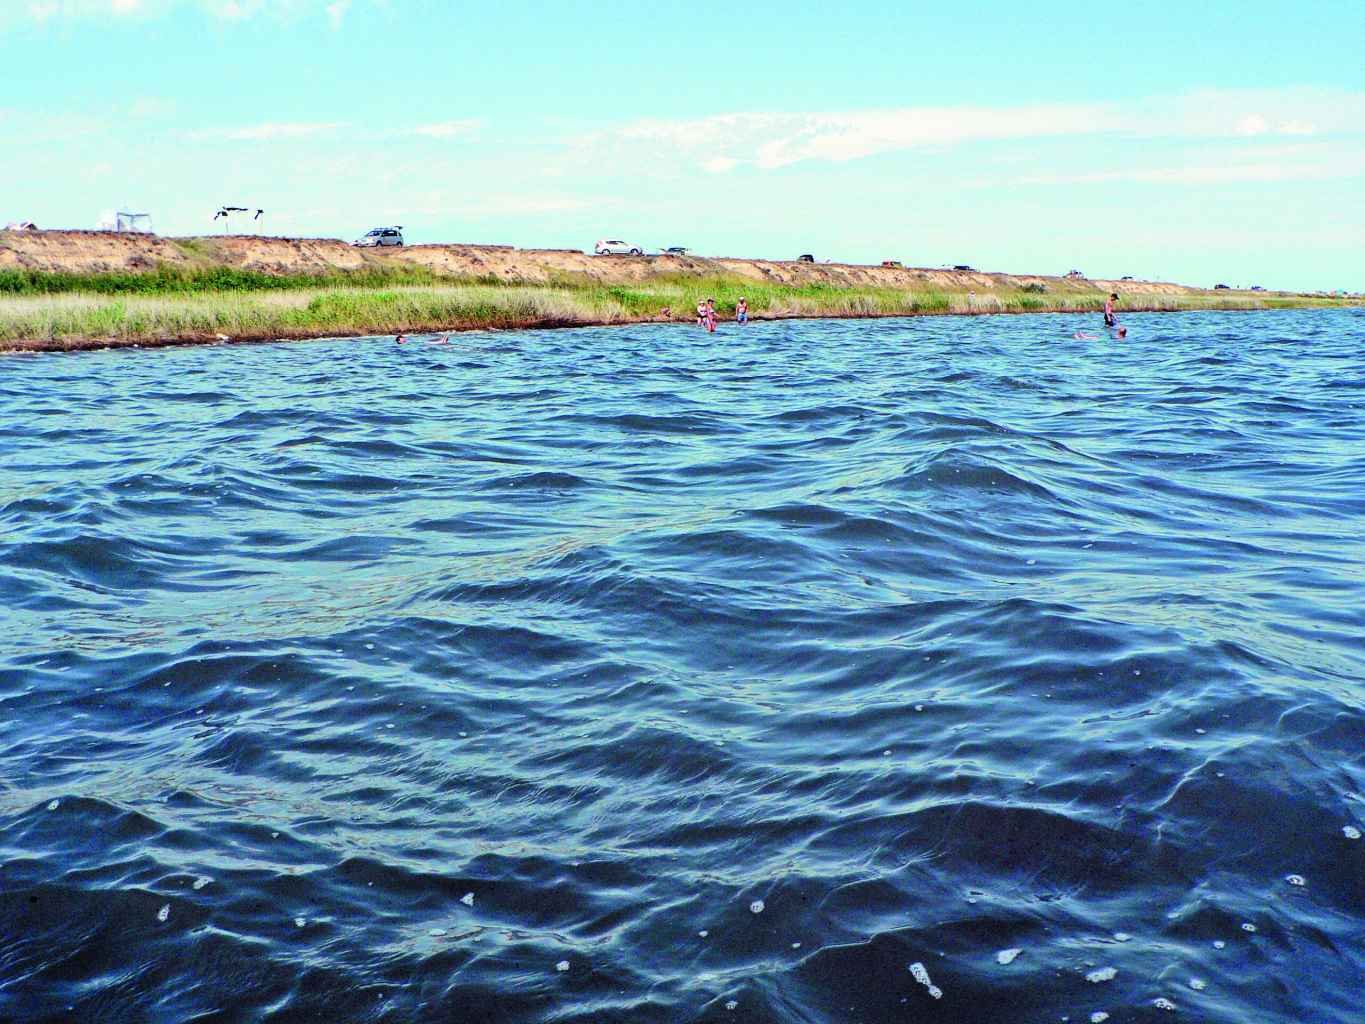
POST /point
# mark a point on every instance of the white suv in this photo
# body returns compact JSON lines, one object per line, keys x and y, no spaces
{"x":382,"y":236}
{"x":616,"y":247}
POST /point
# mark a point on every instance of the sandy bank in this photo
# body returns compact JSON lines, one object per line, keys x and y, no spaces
{"x":85,"y":252}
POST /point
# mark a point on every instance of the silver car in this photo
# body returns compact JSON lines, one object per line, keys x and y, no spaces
{"x":616,"y":247}
{"x":382,"y":236}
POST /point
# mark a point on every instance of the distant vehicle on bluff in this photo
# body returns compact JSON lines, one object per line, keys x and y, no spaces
{"x":616,"y":247}
{"x":381,"y":236}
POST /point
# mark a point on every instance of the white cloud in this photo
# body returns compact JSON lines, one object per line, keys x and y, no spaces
{"x":769,"y":141}
{"x":268,"y":131}
{"x":151,"y":106}
{"x":43,"y":11}
{"x":446,"y":129}
{"x":1266,"y":167}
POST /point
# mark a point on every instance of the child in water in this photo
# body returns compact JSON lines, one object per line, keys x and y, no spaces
{"x":1110,"y":320}
{"x":710,"y":316}
{"x":742,"y":310}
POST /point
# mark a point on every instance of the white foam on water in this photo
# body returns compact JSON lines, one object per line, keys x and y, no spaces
{"x":1350,"y":831}
{"x":52,"y":805}
{"x":1098,"y":1017}
{"x":920,"y":974}
{"x":467,"y":899}
{"x":1162,"y":1003}
{"x":1247,"y":926}
{"x":796,"y":945}
{"x":1121,"y":937}
{"x":562,"y":966}
{"x":1219,"y":944}
{"x":1007,"y":956}
{"x":164,"y":912}
{"x":436,"y":933}
{"x":703,"y":933}
{"x":1296,"y":879}
{"x":1198,"y":984}
{"x":756,"y":907}
{"x":299,"y":922}
{"x":200,"y":882}
{"x":1101,"y":974}
{"x":731,"y":1005}
{"x":274,"y":835}
{"x":919,"y":707}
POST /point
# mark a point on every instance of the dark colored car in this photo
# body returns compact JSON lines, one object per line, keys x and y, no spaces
{"x":805,"y":257}
{"x":1257,"y":288}
{"x":1127,"y":278}
{"x":893,"y":264}
{"x":1222,"y":288}
{"x":677,"y":250}
{"x":963,"y":266}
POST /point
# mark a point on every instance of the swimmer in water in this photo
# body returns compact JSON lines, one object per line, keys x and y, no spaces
{"x":400,"y":339}
{"x":442,"y":340}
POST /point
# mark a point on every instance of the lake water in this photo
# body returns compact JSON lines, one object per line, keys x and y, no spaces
{"x":804,"y":673}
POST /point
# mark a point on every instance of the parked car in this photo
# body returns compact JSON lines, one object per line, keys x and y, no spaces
{"x":1222,"y":288}
{"x":1075,"y":275}
{"x":677,"y":250}
{"x":381,"y":236}
{"x":963,"y":266}
{"x":893,"y":264}
{"x":1257,"y":288}
{"x":805,"y":257}
{"x":616,"y":247}
{"x":1126,"y":277}
{"x":21,"y":225}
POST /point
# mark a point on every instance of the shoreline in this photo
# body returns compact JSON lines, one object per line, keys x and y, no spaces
{"x":106,"y":344}
{"x":69,"y":291}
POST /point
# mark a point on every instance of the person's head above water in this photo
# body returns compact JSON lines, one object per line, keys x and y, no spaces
{"x":1114,"y":296}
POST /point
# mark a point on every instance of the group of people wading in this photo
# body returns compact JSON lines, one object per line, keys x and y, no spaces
{"x":706,"y":313}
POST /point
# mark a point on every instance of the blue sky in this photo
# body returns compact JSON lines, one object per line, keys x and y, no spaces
{"x":1201,"y":143}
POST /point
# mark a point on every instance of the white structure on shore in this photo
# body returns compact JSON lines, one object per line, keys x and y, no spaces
{"x":127,"y":222}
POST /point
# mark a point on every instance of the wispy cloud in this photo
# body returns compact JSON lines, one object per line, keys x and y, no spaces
{"x":770,"y":141}
{"x":43,"y":11}
{"x":446,"y":129}
{"x":1210,"y":174}
{"x":284,"y":131}
{"x":268,"y":131}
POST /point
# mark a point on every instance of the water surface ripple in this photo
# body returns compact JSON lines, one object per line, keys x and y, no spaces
{"x":634,"y":675}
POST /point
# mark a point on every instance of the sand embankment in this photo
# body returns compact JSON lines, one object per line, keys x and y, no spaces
{"x":86,"y":252}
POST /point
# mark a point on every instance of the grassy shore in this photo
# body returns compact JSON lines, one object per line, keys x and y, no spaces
{"x":43,"y":310}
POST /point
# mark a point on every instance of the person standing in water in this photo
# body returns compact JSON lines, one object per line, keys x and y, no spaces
{"x":701,"y":312}
{"x":711,"y":316}
{"x":742,"y":310}
{"x":1110,"y":319}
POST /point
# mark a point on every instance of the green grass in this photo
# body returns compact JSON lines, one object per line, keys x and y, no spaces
{"x":59,"y":309}
{"x":169,"y":280}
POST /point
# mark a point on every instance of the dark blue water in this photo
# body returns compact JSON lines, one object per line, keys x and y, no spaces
{"x":501,"y":681}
